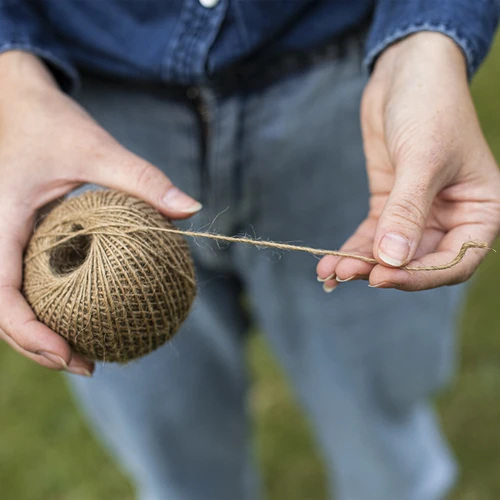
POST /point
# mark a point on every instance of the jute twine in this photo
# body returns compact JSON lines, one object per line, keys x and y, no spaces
{"x":97,"y":273}
{"x":115,"y":278}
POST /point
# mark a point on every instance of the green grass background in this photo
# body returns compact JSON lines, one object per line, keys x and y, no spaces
{"x":47,"y":453}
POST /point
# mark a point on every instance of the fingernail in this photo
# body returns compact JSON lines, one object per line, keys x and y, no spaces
{"x":347,"y":279}
{"x":55,"y":359}
{"x":79,"y":370}
{"x":329,"y":289}
{"x":175,"y":199}
{"x":328,"y":278}
{"x":379,"y":285}
{"x":394,"y":249}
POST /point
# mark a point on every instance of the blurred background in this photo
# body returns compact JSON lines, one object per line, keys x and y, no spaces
{"x":47,"y":453}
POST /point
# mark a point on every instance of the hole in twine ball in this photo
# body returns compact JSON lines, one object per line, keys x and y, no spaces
{"x":103,"y":271}
{"x":70,"y":255}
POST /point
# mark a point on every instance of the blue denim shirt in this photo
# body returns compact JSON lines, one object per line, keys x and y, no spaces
{"x":189,"y":41}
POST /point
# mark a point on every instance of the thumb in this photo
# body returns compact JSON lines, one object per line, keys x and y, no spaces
{"x":402,"y":222}
{"x":124,"y":171}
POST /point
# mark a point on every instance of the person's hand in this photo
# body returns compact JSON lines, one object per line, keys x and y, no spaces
{"x":48,"y":146}
{"x":434,"y":183}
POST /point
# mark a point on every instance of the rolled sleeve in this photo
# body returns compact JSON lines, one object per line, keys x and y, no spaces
{"x":22,"y":27}
{"x":470,"y":23}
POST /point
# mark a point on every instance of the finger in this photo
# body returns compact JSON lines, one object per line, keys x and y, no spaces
{"x":78,"y":365}
{"x":56,"y":364}
{"x":402,"y":221}
{"x":447,"y":250}
{"x":343,"y":268}
{"x":29,"y":337}
{"x":18,"y":323}
{"x":352,"y":269}
{"x":330,"y":285}
{"x":122,"y":170}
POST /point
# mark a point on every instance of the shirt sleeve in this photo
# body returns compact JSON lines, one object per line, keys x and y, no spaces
{"x":470,"y":23}
{"x":22,"y":27}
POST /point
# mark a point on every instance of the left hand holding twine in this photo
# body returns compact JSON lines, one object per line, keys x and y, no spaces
{"x":48,"y":146}
{"x":433,"y":181}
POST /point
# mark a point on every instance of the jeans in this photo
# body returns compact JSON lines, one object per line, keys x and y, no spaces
{"x":282,"y":162}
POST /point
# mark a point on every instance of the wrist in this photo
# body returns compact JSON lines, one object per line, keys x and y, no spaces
{"x":23,"y":68}
{"x":431,"y":49}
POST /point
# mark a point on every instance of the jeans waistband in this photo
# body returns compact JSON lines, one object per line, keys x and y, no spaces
{"x":262,"y":71}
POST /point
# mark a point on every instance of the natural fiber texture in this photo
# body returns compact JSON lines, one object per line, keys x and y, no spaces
{"x":468,"y":245}
{"x":101,"y":271}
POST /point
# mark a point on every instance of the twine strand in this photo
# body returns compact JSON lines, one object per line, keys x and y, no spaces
{"x":128,"y":229}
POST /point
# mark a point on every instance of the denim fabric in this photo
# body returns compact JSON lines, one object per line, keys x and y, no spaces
{"x":282,"y":163}
{"x":181,"y":41}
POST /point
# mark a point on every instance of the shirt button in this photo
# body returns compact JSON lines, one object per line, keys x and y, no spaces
{"x":209,"y":3}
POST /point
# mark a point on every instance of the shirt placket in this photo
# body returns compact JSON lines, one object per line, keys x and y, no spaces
{"x":198,"y":25}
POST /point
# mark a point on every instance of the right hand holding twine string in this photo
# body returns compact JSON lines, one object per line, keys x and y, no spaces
{"x":434,"y":183}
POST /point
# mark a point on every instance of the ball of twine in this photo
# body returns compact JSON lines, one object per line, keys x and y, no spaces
{"x":99,"y":274}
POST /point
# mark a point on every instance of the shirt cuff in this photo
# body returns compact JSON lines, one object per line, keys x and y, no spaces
{"x":471,"y":24}
{"x":22,"y":28}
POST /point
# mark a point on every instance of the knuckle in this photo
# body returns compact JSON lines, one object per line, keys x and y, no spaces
{"x":147,"y":177}
{"x":145,"y":173}
{"x":432,"y":161}
{"x":408,"y":213}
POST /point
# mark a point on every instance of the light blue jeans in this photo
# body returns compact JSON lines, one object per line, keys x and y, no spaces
{"x":283,"y":162}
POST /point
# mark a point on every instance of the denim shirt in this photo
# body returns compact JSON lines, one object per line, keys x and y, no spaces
{"x":189,"y":41}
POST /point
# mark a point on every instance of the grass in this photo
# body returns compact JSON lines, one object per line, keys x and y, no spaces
{"x":46,"y":452}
